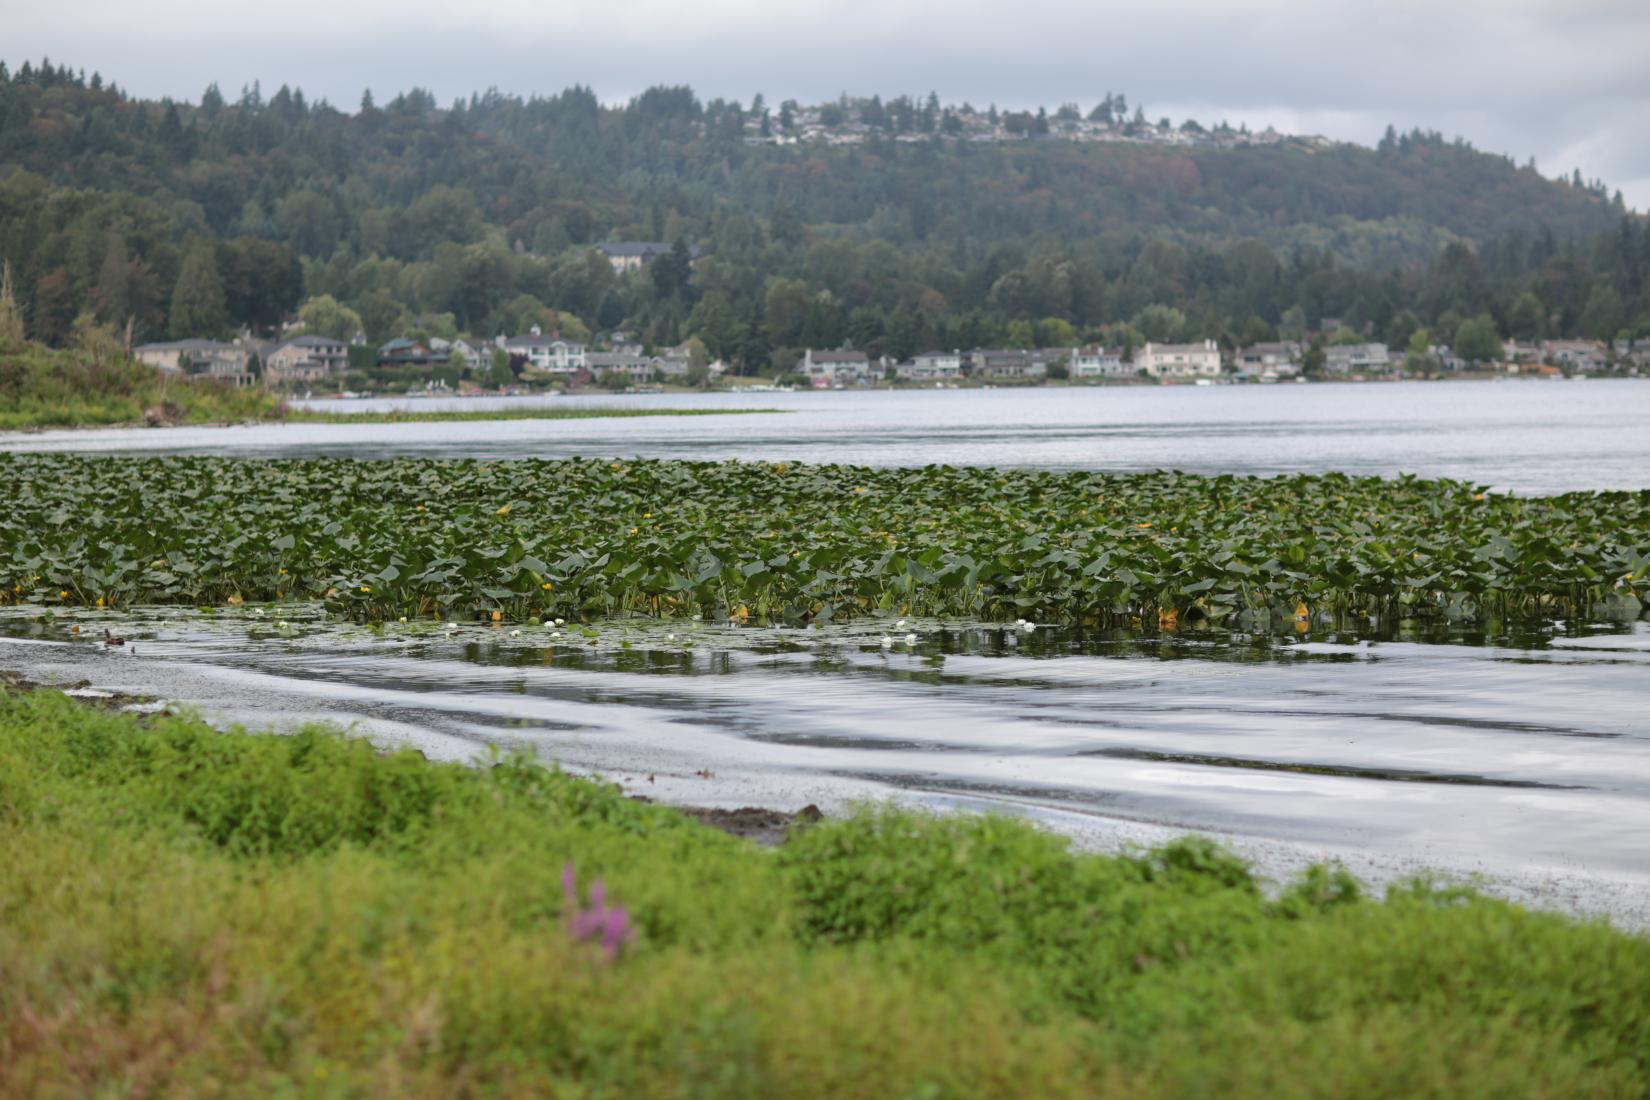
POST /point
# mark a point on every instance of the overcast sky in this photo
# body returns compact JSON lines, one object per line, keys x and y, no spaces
{"x":1564,"y":81}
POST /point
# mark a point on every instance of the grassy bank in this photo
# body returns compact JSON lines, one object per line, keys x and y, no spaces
{"x":186,"y":912}
{"x":94,"y":385}
{"x":415,"y":415}
{"x":774,"y":542}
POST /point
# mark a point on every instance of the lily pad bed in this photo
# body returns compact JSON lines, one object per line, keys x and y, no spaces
{"x":580,"y":539}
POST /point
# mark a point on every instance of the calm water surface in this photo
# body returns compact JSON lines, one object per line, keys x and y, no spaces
{"x":1521,"y":757}
{"x":1535,"y":437}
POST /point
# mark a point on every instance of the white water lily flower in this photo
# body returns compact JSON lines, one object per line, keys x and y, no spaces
{"x":900,"y":625}
{"x":515,"y":633}
{"x":403,"y":618}
{"x":281,"y":625}
{"x":258,"y":611}
{"x":910,"y":639}
{"x":561,"y":622}
{"x":670,"y":637}
{"x":557,"y":634}
{"x":887,"y":642}
{"x":1029,"y":627}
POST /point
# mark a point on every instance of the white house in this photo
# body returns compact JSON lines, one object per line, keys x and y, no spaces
{"x":548,"y":353}
{"x":1180,"y":360}
{"x":1095,"y":361}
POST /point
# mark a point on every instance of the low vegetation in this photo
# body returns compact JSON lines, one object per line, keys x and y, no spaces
{"x":96,"y":384}
{"x":192,"y":912}
{"x":780,"y":543}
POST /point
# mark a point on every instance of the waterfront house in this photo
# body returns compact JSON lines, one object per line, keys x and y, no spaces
{"x":402,"y":352}
{"x":1095,"y":361}
{"x":1576,"y":356}
{"x":305,"y":359}
{"x":1269,"y":361}
{"x":640,"y":369}
{"x":825,"y":369}
{"x":1007,"y":363}
{"x":1356,"y":359}
{"x":1180,"y":361}
{"x":200,"y":359}
{"x":550,"y":354}
{"x":932,"y":366}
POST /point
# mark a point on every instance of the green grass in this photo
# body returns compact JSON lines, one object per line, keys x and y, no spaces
{"x":415,"y":415}
{"x":781,"y":543}
{"x":185,"y":912}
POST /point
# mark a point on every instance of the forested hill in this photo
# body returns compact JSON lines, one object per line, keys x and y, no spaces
{"x":196,"y":218}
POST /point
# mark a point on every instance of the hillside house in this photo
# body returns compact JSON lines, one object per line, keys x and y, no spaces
{"x":632,"y":255}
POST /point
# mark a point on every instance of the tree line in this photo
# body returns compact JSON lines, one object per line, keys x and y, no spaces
{"x":203,"y":219}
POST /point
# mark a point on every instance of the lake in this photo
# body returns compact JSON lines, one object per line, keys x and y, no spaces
{"x":1528,"y":436}
{"x":1522,"y":756}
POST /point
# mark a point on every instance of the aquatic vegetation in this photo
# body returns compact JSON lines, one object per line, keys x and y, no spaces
{"x":759,"y":542}
{"x":191,"y":912}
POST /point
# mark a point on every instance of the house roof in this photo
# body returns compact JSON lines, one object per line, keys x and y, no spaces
{"x":193,"y":344}
{"x":309,"y":342}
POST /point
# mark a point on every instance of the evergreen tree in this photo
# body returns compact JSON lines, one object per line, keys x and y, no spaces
{"x":198,"y":299}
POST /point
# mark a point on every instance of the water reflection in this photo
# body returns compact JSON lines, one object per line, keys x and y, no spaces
{"x":1518,"y":753}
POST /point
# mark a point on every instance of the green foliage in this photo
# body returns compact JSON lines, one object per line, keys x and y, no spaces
{"x":931,"y":244}
{"x":190,"y":911}
{"x":1477,"y":340}
{"x":788,"y":543}
{"x":95,"y":384}
{"x":325,"y":316}
{"x":198,"y":306}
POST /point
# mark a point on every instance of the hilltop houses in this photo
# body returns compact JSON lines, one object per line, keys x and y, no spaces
{"x":1176,"y":362}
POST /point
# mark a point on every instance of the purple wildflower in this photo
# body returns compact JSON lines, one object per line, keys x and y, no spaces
{"x":610,"y":924}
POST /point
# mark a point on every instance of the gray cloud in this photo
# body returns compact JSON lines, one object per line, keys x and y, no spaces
{"x":1567,"y":83}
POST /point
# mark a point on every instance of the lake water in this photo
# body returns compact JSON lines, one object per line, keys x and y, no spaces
{"x":1523,"y":757}
{"x":1530,"y":436}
